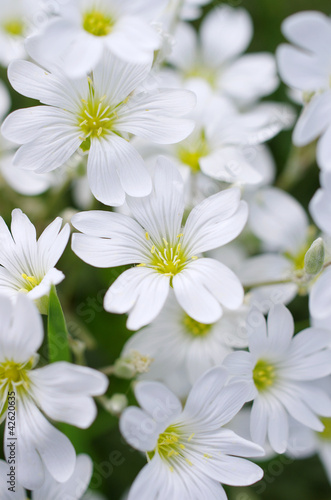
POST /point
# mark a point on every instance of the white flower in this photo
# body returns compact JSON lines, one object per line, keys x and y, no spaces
{"x":97,"y":115}
{"x":167,"y":254}
{"x":182,"y":349}
{"x":282,"y":226}
{"x":188,"y":452}
{"x":27,"y":264}
{"x":307,"y":442}
{"x":72,"y":489}
{"x":61,"y":391}
{"x":225,"y":144}
{"x":17,"y":20}
{"x":320,"y":205}
{"x":83,"y":30}
{"x":216,"y":56}
{"x":189,"y":9}
{"x":281,"y":371}
{"x":320,"y":209}
{"x":307,"y":67}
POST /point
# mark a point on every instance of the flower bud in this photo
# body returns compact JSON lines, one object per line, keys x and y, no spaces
{"x":314,"y":258}
{"x":123,"y":368}
{"x":116,"y":404}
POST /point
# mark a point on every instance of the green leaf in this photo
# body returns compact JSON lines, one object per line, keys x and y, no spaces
{"x":58,"y":342}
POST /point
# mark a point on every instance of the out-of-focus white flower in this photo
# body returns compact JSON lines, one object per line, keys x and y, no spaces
{"x":188,"y":451}
{"x":96,"y":115}
{"x":61,"y":391}
{"x":27,"y":264}
{"x":80,"y":33}
{"x":225,"y":144}
{"x":282,"y":225}
{"x":18,"y":19}
{"x":216,"y":56}
{"x":320,"y":205}
{"x":73,"y":489}
{"x":282,"y":371}
{"x":182,"y":349}
{"x":320,"y":209}
{"x":306,"y":67}
{"x":167,"y":253}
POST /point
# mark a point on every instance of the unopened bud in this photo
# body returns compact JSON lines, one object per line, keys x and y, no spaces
{"x":314,"y":258}
{"x":123,"y":368}
{"x":116,"y":404}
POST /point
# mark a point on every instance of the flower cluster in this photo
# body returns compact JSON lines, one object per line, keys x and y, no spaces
{"x":152,"y":138}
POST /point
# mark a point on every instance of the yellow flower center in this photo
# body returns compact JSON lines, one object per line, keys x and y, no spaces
{"x":14,"y":377}
{"x":97,"y":23}
{"x":168,"y":259}
{"x":30,"y":282}
{"x":326,"y":433}
{"x":96,"y":117}
{"x":264,"y":375}
{"x":14,"y":27}
{"x":202,"y":71}
{"x":170,"y":446}
{"x":190,"y":153}
{"x":195,"y":328}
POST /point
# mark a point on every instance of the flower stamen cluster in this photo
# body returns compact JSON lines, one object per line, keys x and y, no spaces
{"x":97,"y":23}
{"x":264,"y":375}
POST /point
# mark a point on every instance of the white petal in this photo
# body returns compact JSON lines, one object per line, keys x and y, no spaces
{"x":314,"y":119}
{"x":26,"y":331}
{"x":52,"y":242}
{"x":64,"y":392}
{"x":140,"y":291}
{"x":208,"y":277}
{"x":139,"y":429}
{"x":72,"y":489}
{"x":250,"y":77}
{"x":32,"y":81}
{"x":161,"y":213}
{"x":155,"y":115}
{"x":323,"y":150}
{"x":278,"y":428}
{"x":185,"y":47}
{"x":50,"y":150}
{"x":278,"y":220}
{"x":280,"y":329}
{"x":303,"y":71}
{"x":158,"y":401}
{"x":301,"y":29}
{"x":320,"y":295}
{"x":133,"y":40}
{"x":225,"y":33}
{"x":214,"y":222}
{"x":53,"y":447}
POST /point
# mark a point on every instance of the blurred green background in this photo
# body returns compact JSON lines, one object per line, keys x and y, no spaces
{"x":81,"y":294}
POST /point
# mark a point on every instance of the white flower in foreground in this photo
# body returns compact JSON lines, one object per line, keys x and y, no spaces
{"x":83,"y":29}
{"x":167,"y":253}
{"x":95,"y":114}
{"x":306,"y":66}
{"x":27,"y":264}
{"x":73,"y":489}
{"x":62,"y":391}
{"x":188,"y":451}
{"x":281,"y":371}
{"x":216,"y":56}
{"x":182,"y":349}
